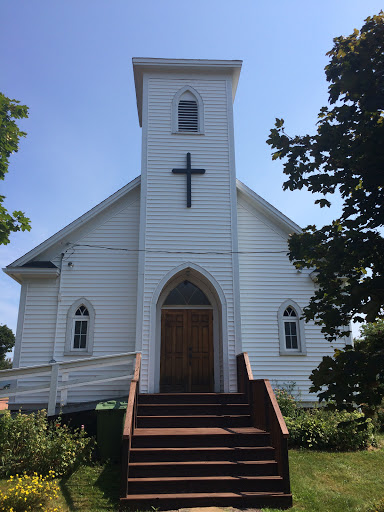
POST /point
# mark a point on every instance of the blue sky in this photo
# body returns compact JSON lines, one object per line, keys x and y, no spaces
{"x":70,"y":62}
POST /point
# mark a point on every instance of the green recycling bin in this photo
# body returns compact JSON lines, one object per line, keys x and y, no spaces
{"x":110,"y":423}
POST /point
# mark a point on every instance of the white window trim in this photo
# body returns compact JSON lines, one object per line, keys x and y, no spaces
{"x":69,"y":335}
{"x":200,"y":111}
{"x":302,"y":349}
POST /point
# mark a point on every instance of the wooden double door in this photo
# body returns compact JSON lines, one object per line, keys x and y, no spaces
{"x":186,"y":361}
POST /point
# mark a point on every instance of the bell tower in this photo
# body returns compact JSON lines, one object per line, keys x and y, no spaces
{"x":188,"y":220}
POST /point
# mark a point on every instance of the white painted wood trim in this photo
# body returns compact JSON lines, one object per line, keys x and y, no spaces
{"x":19,"y":331}
{"x":143,"y":221}
{"x":302,"y":347}
{"x":69,"y":350}
{"x":200,"y":111}
{"x":53,"y":390}
{"x":20,"y":325}
{"x":53,"y":370}
{"x":58,"y":307}
{"x":20,"y":274}
{"x":234,"y":232}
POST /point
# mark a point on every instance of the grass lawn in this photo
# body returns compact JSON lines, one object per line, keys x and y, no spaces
{"x":321,"y":481}
{"x":336,"y":482}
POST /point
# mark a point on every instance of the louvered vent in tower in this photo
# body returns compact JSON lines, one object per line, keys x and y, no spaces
{"x":188,"y":116}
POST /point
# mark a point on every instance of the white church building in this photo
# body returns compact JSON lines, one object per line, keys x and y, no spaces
{"x":184,"y":264}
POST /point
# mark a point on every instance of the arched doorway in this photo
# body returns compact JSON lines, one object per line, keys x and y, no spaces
{"x":187,"y":357}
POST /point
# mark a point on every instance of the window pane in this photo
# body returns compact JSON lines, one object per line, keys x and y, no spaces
{"x":83,"y":341}
{"x":289,"y":312}
{"x":290,"y":330}
{"x":82,"y":311}
{"x":84,"y":327}
{"x":186,"y":294}
{"x":76,"y":341}
{"x":77,"y":327}
{"x":80,"y":335}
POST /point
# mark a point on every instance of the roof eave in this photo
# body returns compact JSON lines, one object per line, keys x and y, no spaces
{"x":143,"y":64}
{"x":19,"y":274}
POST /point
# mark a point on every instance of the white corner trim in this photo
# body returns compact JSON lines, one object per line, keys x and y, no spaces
{"x":20,"y":325}
{"x":234,"y":223}
{"x":143,"y":222}
{"x":302,"y":348}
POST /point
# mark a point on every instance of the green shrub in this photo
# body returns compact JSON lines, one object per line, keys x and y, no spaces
{"x":287,"y":402}
{"x":378,"y":418}
{"x":30,"y":443}
{"x":321,"y":429}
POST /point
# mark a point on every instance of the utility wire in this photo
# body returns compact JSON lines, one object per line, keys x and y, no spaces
{"x":176,"y":252}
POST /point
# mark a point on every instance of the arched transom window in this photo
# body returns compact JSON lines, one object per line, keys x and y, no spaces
{"x":186,"y":294}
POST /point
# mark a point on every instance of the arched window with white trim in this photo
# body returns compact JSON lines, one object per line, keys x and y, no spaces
{"x":80,"y":327}
{"x":291,"y":329}
{"x":187,"y":112}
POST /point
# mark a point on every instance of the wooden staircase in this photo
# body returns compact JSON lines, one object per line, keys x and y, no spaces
{"x":200,"y":449}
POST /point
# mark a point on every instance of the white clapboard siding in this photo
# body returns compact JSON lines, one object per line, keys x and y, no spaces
{"x":38,"y":331}
{"x":173,"y":233}
{"x":267,"y":279}
{"x":105,"y":277}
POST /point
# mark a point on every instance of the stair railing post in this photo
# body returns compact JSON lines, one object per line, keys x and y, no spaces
{"x":53,"y":389}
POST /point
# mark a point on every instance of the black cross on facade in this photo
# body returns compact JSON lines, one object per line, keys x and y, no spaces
{"x":188,"y":171}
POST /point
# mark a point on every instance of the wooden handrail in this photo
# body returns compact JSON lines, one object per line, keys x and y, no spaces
{"x":276,"y":409}
{"x":266,"y":414}
{"x":129,"y":425}
{"x":52,"y":371}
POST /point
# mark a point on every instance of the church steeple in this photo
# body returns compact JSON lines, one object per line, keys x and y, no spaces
{"x":185,"y":110}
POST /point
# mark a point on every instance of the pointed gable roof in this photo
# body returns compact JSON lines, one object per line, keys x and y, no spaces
{"x":64,"y":233}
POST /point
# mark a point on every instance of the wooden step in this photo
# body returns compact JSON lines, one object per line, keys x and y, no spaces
{"x":199,"y":437}
{"x":193,"y":421}
{"x":239,"y":500}
{"x":169,"y":485}
{"x":190,"y":398}
{"x":202,"y":468}
{"x":192,"y":409}
{"x":201,"y":454}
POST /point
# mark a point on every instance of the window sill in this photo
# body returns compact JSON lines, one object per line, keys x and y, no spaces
{"x":188,"y":133}
{"x":78,"y":353}
{"x":292,"y":353}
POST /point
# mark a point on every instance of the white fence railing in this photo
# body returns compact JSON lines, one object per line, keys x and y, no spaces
{"x":58,"y":373}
